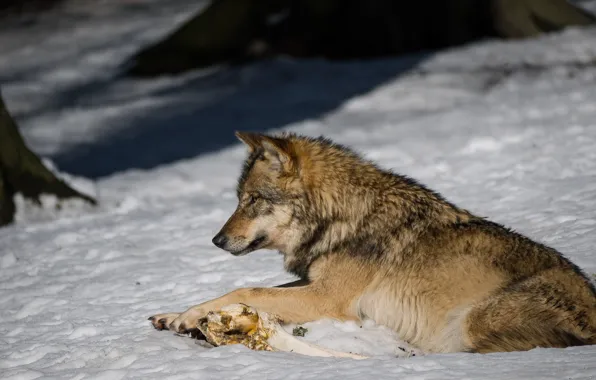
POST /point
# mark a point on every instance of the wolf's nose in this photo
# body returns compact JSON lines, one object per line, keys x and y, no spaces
{"x":220,"y":240}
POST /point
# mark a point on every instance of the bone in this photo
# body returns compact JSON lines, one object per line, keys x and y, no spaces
{"x":242,"y":324}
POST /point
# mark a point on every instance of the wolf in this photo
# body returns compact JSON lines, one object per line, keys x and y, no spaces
{"x":368,"y":243}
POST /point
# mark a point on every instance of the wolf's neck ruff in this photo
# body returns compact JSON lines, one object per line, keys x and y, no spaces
{"x":355,"y":207}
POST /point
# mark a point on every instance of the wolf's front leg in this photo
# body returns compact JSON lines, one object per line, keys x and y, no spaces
{"x":292,"y":305}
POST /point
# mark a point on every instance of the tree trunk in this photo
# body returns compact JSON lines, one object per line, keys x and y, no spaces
{"x":529,"y":18}
{"x":7,"y":207}
{"x":21,"y":171}
{"x":228,"y":30}
{"x":219,"y":33}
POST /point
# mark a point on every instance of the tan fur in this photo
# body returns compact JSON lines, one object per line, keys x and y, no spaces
{"x":367,"y":243}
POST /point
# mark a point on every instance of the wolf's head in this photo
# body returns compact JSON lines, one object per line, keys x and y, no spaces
{"x":269,"y":197}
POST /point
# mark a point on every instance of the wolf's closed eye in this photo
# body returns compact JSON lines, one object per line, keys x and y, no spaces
{"x":252,"y":199}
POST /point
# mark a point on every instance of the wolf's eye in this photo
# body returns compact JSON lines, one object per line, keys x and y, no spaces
{"x":252,"y":199}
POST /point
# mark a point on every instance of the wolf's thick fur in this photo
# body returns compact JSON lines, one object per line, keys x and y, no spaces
{"x":366,"y":242}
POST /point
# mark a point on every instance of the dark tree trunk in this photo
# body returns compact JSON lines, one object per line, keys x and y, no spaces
{"x":21,"y":171}
{"x":528,"y":18}
{"x":7,"y":207}
{"x":219,"y":33}
{"x":240,"y":30}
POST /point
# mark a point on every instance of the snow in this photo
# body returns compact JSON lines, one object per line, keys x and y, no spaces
{"x":505,"y":129}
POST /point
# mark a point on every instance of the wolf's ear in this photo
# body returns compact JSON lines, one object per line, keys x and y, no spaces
{"x":279,"y":153}
{"x":252,"y":140}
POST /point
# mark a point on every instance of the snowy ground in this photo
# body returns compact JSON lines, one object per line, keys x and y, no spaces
{"x":505,"y":129}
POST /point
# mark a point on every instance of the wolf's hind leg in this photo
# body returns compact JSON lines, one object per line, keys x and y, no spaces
{"x":552,"y":309}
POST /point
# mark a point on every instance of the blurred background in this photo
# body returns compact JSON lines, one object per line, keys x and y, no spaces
{"x":118,"y":161}
{"x":100,"y":87}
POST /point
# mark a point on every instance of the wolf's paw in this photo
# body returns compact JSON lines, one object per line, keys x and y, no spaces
{"x":187,"y":322}
{"x":163,"y":321}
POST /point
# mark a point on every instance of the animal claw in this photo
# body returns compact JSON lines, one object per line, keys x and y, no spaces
{"x":161,"y":324}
